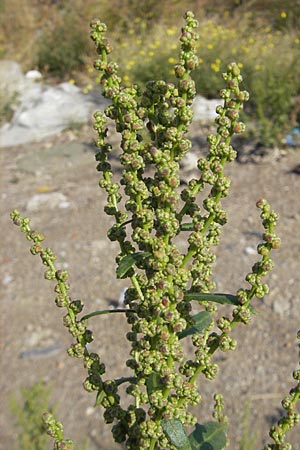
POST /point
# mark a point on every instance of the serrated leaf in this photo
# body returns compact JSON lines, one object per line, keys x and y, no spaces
{"x":222,"y":299}
{"x":153,"y":383}
{"x":128,"y":261}
{"x":174,"y":431}
{"x":201,"y":321}
{"x":209,"y":436}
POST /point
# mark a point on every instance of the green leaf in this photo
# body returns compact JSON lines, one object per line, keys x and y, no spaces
{"x":128,"y":261}
{"x":222,"y":299}
{"x":153,"y":383}
{"x":187,"y":226}
{"x":174,"y":431}
{"x":201,"y":321}
{"x":210,"y":436}
{"x":106,"y":311}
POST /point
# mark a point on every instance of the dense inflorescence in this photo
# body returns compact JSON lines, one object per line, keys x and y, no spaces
{"x":153,"y":126}
{"x":150,"y":212}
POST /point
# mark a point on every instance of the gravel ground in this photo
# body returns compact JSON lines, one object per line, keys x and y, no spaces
{"x":55,"y":183}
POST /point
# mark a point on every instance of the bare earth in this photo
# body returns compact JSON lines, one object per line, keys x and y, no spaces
{"x":33,"y":340}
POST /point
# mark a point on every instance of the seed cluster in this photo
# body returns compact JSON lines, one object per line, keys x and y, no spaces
{"x":153,"y":126}
{"x":150,"y":210}
{"x":77,"y":327}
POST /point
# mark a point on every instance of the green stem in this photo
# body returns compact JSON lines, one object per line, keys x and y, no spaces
{"x":122,"y":380}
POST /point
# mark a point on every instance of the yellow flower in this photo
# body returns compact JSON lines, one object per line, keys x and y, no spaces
{"x":150,"y":53}
{"x":126,"y":80}
{"x":241,"y":65}
{"x":200,"y":60}
{"x":210,"y":46}
{"x":71,"y":81}
{"x":283,"y":15}
{"x":170,"y":31}
{"x":216,"y":65}
{"x":171,"y":60}
{"x":297,"y":41}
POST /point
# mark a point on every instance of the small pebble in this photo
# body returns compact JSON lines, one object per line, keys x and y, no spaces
{"x":7,"y":279}
{"x":250,"y":250}
{"x":89,"y":411}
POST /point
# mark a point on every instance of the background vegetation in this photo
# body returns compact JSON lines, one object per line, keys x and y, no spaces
{"x":262,"y":36}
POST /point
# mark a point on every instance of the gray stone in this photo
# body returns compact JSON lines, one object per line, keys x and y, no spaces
{"x":46,"y":111}
{"x":41,"y":110}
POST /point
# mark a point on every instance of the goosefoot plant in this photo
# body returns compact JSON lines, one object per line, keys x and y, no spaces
{"x":165,"y":282}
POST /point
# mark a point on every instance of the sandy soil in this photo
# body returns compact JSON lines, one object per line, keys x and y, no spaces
{"x":33,"y":340}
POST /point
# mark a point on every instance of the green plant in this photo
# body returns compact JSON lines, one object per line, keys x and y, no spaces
{"x":62,"y":46}
{"x":6,"y":106}
{"x":165,"y":282}
{"x":249,"y":438}
{"x":28,"y":416}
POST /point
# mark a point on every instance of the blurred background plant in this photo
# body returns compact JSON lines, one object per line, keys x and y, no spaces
{"x":249,"y":438}
{"x":27,"y":412}
{"x":27,"y":408}
{"x":262,"y":36}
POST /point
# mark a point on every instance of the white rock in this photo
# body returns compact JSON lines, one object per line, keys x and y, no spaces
{"x":7,"y":279}
{"x":204,"y":109}
{"x":33,"y":75}
{"x":89,"y":411}
{"x":49,"y":200}
{"x":189,"y":161}
{"x":47,"y":110}
{"x":64,"y":205}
